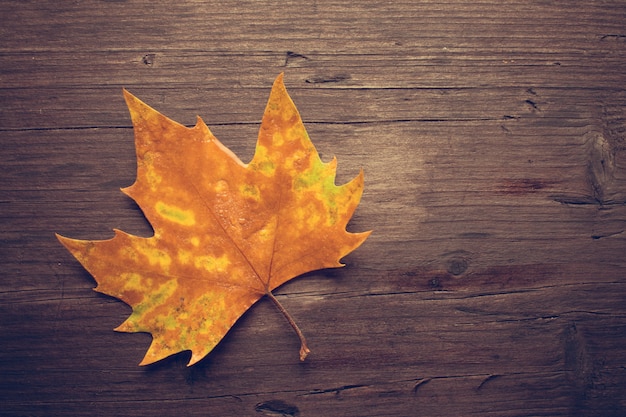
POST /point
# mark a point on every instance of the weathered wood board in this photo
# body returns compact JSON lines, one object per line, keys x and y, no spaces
{"x":493,"y":140}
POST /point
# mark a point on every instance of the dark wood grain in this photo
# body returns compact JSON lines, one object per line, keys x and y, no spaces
{"x":492,"y":136}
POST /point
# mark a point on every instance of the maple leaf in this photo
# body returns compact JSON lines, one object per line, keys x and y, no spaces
{"x":225,"y":233}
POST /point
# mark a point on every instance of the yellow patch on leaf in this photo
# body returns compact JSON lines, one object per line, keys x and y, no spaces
{"x":226,"y":233}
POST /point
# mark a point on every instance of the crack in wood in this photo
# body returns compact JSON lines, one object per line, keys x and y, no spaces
{"x":419,"y":384}
{"x":585,"y":201}
{"x":608,"y":234}
{"x":487,"y":380}
{"x":293,"y":57}
{"x":277,"y":408}
{"x":335,"y":390}
{"x":323,"y":79}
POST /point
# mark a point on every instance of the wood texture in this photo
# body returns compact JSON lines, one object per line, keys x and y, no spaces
{"x":492,"y":136}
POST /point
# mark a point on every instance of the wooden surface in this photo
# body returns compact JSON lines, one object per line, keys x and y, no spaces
{"x":492,"y":135}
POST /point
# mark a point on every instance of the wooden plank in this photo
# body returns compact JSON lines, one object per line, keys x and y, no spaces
{"x":492,"y":139}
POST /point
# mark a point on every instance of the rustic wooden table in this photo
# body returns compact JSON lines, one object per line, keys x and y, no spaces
{"x":492,"y":136}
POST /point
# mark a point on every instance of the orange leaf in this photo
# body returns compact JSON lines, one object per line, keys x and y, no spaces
{"x":225,"y":233}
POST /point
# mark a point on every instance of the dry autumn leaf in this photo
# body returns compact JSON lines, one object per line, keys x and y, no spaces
{"x":225,"y":233}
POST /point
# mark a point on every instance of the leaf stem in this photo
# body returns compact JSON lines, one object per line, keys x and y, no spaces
{"x":304,"y":349}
